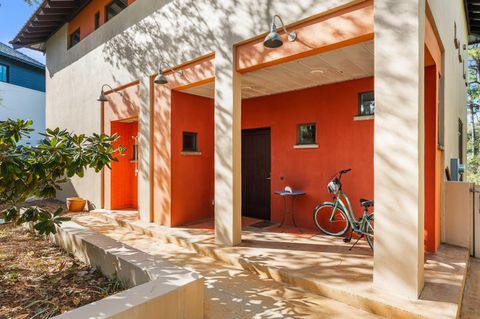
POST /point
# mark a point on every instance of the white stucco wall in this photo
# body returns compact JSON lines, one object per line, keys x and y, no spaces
{"x":17,"y":102}
{"x":130,"y":47}
{"x":446,"y":14}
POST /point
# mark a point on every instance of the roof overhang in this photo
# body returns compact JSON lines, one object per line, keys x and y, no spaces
{"x":472,"y":11}
{"x":50,"y":16}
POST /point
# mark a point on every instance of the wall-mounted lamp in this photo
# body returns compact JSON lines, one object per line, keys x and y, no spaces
{"x":273,"y":39}
{"x":102,"y":97}
{"x":161,"y":79}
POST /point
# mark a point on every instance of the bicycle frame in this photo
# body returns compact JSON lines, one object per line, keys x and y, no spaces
{"x":358,"y":225}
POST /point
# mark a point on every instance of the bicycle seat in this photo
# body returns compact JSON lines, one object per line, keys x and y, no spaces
{"x":366,"y":203}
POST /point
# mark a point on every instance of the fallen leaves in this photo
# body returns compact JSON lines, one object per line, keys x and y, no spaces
{"x":38,"y":280}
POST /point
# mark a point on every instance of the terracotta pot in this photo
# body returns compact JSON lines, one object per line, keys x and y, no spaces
{"x":75,"y":204}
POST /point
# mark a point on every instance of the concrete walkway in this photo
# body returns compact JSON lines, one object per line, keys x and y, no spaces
{"x":471,"y":295}
{"x":320,"y":264}
{"x":232,"y":293}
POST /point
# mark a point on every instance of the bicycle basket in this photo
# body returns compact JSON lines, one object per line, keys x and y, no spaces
{"x":334,"y":186}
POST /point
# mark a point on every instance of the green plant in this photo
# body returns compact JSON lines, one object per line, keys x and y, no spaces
{"x":38,"y":171}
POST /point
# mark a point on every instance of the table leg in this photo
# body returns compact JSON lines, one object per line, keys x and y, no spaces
{"x":293,"y":212}
{"x":285,"y":210}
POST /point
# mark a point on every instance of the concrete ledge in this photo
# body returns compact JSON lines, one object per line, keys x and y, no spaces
{"x":158,"y":286}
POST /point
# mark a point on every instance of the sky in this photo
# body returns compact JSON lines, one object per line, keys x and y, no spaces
{"x":13,"y":15}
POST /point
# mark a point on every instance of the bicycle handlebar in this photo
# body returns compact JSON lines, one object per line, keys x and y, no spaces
{"x":344,"y":171}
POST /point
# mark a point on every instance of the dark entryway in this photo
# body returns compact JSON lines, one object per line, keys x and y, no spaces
{"x":256,"y":173}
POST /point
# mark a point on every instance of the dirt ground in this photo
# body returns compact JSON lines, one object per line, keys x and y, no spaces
{"x":38,"y":279}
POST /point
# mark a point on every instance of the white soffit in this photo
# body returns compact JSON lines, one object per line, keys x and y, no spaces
{"x":348,"y":63}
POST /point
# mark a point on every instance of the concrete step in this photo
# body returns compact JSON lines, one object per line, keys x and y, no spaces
{"x":231,"y":293}
{"x":440,"y":299}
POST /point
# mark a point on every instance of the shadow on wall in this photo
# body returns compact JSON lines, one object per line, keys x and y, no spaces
{"x":68,"y":190}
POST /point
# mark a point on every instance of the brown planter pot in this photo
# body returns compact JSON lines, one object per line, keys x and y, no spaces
{"x":76,"y":204}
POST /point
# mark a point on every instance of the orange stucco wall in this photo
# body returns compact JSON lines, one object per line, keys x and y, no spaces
{"x":433,"y":155}
{"x":192,"y":175}
{"x":119,"y":108}
{"x":343,"y":143}
{"x":194,"y":73}
{"x":123,"y":181}
{"x":432,"y":204}
{"x":85,"y":19}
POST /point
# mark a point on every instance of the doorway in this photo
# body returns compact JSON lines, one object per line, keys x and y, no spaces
{"x":124,"y":173}
{"x":256,"y":166}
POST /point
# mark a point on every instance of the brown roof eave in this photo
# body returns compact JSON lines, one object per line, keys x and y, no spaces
{"x":49,"y":17}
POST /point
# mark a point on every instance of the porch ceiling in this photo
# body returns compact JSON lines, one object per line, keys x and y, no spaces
{"x":349,"y":63}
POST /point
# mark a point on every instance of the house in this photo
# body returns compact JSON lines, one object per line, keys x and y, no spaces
{"x":22,"y":89}
{"x":216,"y":116}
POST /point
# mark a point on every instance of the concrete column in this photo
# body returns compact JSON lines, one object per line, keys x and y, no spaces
{"x":144,"y":151}
{"x":399,"y":146}
{"x":228,"y":151}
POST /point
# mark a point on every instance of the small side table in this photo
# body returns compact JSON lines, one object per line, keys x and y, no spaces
{"x":293,"y":195}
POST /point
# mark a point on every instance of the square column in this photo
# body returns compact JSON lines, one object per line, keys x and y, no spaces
{"x":399,"y":146}
{"x":144,"y":194}
{"x":228,"y":150}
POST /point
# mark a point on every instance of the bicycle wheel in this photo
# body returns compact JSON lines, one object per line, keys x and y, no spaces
{"x":334,"y":226}
{"x":369,"y":229}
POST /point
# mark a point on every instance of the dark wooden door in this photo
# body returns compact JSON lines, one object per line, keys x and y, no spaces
{"x":256,"y":173}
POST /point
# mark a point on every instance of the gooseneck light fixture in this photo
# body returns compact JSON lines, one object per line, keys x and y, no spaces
{"x":102,"y":97}
{"x":273,"y":39}
{"x":160,"y":78}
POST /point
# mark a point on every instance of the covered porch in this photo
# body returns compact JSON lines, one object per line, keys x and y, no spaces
{"x":196,"y":167}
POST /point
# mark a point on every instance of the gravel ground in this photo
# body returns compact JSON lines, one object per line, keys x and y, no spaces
{"x":38,"y":279}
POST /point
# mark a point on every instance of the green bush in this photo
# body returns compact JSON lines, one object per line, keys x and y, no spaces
{"x":38,"y":171}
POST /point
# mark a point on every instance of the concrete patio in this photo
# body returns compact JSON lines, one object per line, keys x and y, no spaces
{"x":321,"y":264}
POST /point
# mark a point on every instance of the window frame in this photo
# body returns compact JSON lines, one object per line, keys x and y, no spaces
{"x":106,"y":19}
{"x":360,"y":103}
{"x":7,"y":73}
{"x":299,"y":142}
{"x":70,"y":45}
{"x":195,"y":141}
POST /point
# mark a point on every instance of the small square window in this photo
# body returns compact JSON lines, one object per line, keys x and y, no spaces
{"x":3,"y":73}
{"x":74,"y":38}
{"x":307,"y":134}
{"x":97,"y":20}
{"x":190,"y":142}
{"x":366,"y":103}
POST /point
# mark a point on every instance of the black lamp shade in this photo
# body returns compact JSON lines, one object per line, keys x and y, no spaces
{"x":273,"y":40}
{"x":160,"y":78}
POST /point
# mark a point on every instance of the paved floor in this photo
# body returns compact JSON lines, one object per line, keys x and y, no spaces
{"x":322,"y":264}
{"x":471,"y":295}
{"x":233,"y":293}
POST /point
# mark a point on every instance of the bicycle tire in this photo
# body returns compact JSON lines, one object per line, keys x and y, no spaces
{"x":370,"y":239}
{"x":341,"y":229}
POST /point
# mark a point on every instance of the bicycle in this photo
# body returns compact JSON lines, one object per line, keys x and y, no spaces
{"x":336,"y":218}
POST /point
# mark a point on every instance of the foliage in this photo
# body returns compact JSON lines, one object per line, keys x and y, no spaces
{"x":473,"y":108}
{"x":38,"y":171}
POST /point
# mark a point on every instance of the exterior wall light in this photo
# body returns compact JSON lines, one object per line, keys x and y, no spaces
{"x":273,"y":39}
{"x":102,"y":97}
{"x":161,"y":79}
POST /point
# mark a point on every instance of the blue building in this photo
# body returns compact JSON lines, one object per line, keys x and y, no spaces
{"x":19,"y":69}
{"x":22,"y":89}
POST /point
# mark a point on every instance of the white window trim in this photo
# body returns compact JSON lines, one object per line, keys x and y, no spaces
{"x":363,"y":117}
{"x":305,"y":146}
{"x":191,"y":153}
